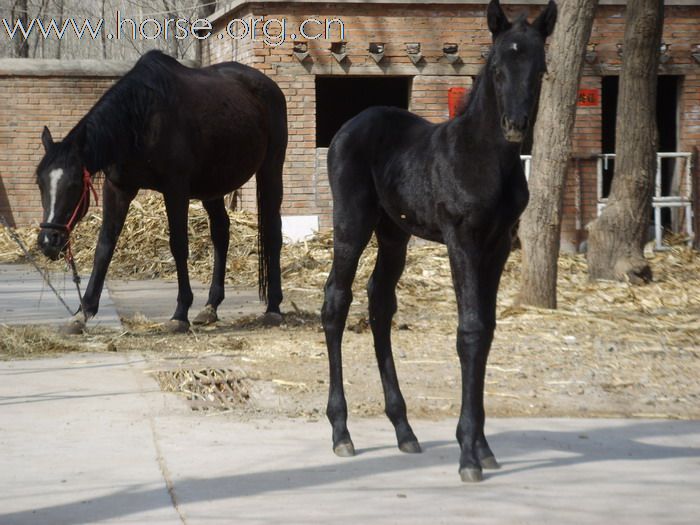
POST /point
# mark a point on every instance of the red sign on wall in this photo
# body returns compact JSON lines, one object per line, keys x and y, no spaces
{"x":588,"y":97}
{"x":454,"y":99}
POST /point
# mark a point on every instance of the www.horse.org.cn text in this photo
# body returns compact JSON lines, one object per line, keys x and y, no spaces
{"x":271,"y":31}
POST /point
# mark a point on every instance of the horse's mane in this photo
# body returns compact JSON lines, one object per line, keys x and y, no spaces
{"x":114,"y":127}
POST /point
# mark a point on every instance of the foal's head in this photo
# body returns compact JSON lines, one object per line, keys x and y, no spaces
{"x":517,"y":64}
{"x":60,"y":180}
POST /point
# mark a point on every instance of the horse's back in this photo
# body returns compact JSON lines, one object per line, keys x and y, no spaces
{"x":216,"y":125}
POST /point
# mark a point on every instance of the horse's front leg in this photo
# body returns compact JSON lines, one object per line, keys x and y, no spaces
{"x":474,"y":335}
{"x":219,"y":226}
{"x":115,"y":206}
{"x":176,"y":206}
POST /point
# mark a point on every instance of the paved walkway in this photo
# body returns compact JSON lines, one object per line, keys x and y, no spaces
{"x":91,"y":439}
{"x":26,"y":299}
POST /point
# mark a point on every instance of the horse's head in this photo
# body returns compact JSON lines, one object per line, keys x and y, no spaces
{"x":517,"y":64}
{"x":62,"y":185}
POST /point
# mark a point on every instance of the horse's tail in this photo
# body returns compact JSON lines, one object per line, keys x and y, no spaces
{"x":263,"y":252}
{"x":269,"y":200}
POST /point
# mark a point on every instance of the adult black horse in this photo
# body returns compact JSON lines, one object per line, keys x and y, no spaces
{"x":186,"y":133}
{"x":460,"y":183}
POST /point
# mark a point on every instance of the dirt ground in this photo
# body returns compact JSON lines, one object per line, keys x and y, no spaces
{"x":611,"y":349}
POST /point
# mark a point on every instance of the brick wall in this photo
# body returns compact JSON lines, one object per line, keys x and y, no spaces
{"x":28,"y":102}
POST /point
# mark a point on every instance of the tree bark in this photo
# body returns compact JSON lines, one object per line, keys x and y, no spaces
{"x":19,"y":12}
{"x":616,"y":238}
{"x":540,"y":226}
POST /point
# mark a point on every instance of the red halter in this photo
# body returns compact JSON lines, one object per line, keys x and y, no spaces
{"x":83,"y":204}
{"x":84,"y":200}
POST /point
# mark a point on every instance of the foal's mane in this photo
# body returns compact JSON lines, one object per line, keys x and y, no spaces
{"x":114,"y":127}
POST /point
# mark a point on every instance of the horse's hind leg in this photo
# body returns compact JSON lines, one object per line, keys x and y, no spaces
{"x":351,"y":235}
{"x":381,"y":290}
{"x":219,"y":226}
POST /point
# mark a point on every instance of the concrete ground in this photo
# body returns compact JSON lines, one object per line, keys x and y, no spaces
{"x":90,"y":438}
{"x":26,"y":299}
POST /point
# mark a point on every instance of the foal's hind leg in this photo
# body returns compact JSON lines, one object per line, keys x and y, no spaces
{"x":219,"y":226}
{"x":381,"y":290}
{"x":351,"y":235}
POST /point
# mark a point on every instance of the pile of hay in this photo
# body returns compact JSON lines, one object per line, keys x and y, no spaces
{"x":19,"y":342}
{"x":143,"y":250}
{"x":208,"y":388}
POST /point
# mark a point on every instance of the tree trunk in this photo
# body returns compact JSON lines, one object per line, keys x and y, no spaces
{"x":206,"y":8}
{"x":19,"y":12}
{"x":540,"y":226}
{"x":616,"y":238}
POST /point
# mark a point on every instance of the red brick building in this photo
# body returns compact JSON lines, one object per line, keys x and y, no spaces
{"x":398,"y":52}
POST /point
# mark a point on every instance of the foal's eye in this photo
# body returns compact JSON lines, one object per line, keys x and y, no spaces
{"x":498,"y":75}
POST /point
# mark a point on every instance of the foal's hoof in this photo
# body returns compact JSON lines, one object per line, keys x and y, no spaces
{"x":272,"y":319}
{"x":75,"y":326}
{"x":344,"y":449}
{"x":471,"y":474}
{"x":175,"y":326}
{"x":489,"y":463}
{"x":206,"y":316}
{"x":410,"y":447}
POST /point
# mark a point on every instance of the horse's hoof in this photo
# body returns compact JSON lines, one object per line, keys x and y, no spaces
{"x":344,"y":449}
{"x":75,"y":326}
{"x":206,"y":316}
{"x":175,"y":326}
{"x":272,"y":319}
{"x":410,"y":447}
{"x":489,"y":463}
{"x":471,"y":474}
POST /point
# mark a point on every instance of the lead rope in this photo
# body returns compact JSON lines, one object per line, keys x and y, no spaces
{"x":84,"y":200}
{"x":28,"y":256}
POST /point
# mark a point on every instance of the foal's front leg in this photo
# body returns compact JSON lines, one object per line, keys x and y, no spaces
{"x":176,"y":207}
{"x":474,"y":335}
{"x":115,"y":205}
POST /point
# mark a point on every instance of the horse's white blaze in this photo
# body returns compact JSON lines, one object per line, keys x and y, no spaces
{"x":54,"y":178}
{"x":514,"y":46}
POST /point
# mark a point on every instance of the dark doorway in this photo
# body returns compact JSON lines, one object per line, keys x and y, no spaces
{"x":666,"y":119}
{"x":338,"y":99}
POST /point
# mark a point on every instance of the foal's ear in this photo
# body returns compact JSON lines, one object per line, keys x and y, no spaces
{"x":46,"y":139}
{"x":497,"y":19}
{"x":545,"y":22}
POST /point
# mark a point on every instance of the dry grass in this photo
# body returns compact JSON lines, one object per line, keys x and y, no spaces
{"x":207,"y":388}
{"x":21,"y":342}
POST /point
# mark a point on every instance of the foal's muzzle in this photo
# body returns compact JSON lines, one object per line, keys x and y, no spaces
{"x":514,"y":130}
{"x":52,"y":242}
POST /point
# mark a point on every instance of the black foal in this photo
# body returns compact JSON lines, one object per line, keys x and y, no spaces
{"x":460,"y":183}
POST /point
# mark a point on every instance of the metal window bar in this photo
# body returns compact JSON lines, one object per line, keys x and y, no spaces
{"x":527,"y":162}
{"x":659,"y":201}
